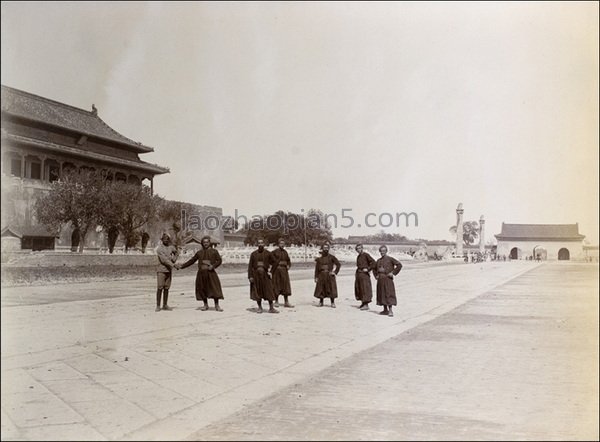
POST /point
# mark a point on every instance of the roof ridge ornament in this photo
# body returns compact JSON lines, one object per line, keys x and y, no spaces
{"x":94,"y":109}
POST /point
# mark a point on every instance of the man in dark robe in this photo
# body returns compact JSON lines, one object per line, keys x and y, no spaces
{"x":167,"y":255}
{"x":363,"y":291}
{"x":325,"y":276}
{"x":281,"y":279}
{"x":208,"y":284}
{"x":386,"y":268}
{"x":258,"y":275}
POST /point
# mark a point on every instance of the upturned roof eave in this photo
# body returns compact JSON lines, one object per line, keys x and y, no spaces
{"x":140,"y":148}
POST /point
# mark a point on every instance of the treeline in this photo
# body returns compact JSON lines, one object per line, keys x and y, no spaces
{"x":296,"y":229}
{"x":385,"y":237}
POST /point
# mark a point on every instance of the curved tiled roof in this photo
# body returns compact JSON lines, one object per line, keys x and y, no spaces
{"x":21,"y":231}
{"x":33,"y":107}
{"x":540,"y":231}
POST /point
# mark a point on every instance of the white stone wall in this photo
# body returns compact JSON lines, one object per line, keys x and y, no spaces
{"x":11,"y":243}
{"x":575,"y":248}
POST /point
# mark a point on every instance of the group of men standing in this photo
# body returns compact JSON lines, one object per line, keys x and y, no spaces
{"x":269,"y":278}
{"x":384,"y":269}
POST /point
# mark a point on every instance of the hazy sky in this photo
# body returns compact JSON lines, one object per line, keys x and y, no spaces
{"x":374,"y":107}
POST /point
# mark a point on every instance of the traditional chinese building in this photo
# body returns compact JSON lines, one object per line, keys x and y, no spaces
{"x":42,"y":139}
{"x":543,"y":241}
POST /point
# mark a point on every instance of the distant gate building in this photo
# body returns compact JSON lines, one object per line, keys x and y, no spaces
{"x":543,"y":241}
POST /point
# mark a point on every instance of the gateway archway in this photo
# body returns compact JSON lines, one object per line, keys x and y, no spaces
{"x":540,"y":253}
{"x":564,"y":255}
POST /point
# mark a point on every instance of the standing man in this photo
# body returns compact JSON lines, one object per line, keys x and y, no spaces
{"x":281,"y":278}
{"x":386,"y":268}
{"x":325,"y":276}
{"x":208,"y":284}
{"x":363,"y":291}
{"x":167,"y":255}
{"x":260,"y":281}
{"x":145,"y":239}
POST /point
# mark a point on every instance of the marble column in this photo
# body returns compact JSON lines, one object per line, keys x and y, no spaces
{"x":481,"y":234}
{"x":459,"y":230}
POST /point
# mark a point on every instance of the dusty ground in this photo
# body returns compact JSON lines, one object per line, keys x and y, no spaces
{"x":519,"y":362}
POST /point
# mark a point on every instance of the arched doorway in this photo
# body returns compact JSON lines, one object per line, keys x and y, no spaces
{"x":540,"y":253}
{"x":564,"y":255}
{"x":514,"y":253}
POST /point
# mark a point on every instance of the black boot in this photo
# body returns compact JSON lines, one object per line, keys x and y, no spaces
{"x":158,"y":296}
{"x":165,"y":300}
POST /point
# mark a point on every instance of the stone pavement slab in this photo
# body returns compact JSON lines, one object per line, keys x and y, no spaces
{"x":117,"y":368}
{"x":519,"y":362}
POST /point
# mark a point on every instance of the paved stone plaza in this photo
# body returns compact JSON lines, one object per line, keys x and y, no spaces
{"x":476,"y":351}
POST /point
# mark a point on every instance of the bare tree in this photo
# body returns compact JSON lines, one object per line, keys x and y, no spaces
{"x":128,"y":207}
{"x":74,"y":199}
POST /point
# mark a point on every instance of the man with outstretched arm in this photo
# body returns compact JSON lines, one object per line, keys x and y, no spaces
{"x":208,"y":284}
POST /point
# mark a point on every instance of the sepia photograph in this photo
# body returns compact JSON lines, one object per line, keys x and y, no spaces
{"x":248,"y":220}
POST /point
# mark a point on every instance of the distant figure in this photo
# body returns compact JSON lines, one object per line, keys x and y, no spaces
{"x":363,"y":291}
{"x":325,"y":276}
{"x":208,"y":284}
{"x":167,"y":255}
{"x":75,"y":238}
{"x":386,"y":268}
{"x":258,"y":276}
{"x":145,"y":239}
{"x":113,"y":235}
{"x":281,"y":279}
